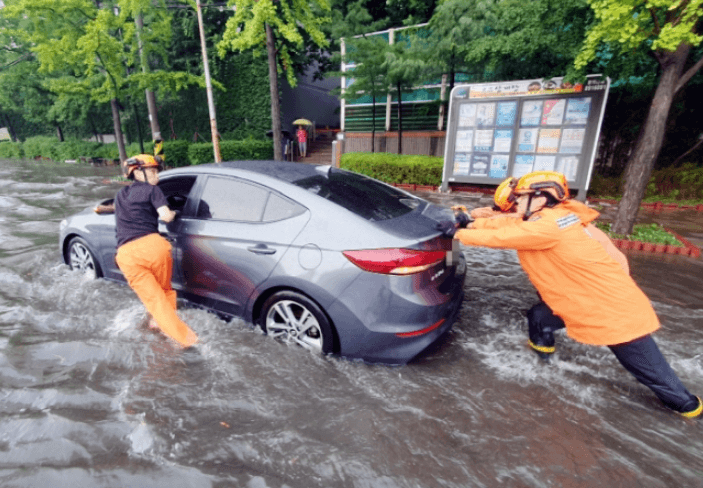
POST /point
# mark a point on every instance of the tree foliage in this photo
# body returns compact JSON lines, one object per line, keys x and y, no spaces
{"x":291,"y":20}
{"x":669,"y":30}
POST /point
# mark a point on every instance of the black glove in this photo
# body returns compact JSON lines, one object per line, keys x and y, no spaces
{"x":447,"y":228}
{"x":463,"y":220}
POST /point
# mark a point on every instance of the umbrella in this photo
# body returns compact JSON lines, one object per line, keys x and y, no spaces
{"x":302,"y":122}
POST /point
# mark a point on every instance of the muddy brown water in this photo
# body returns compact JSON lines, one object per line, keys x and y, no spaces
{"x":90,"y":397}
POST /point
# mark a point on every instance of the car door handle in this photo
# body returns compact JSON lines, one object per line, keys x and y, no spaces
{"x":261,"y":249}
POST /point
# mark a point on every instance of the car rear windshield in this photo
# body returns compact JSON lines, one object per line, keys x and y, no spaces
{"x":364,"y":196}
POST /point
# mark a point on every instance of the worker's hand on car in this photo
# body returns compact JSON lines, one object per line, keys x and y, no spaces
{"x":447,"y":228}
{"x":462,"y":219}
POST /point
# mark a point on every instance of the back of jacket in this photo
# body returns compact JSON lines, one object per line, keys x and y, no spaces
{"x":598,"y":301}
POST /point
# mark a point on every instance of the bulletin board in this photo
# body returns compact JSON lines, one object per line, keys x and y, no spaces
{"x":496,"y":130}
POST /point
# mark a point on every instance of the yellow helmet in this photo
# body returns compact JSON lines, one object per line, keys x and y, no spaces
{"x":504,"y":198}
{"x":546,"y":182}
{"x":142,"y":161}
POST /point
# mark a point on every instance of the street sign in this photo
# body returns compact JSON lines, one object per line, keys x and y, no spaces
{"x":511,"y":128}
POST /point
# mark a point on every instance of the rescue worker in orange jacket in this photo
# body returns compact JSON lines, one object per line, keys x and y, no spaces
{"x":143,"y":255}
{"x":581,"y":285}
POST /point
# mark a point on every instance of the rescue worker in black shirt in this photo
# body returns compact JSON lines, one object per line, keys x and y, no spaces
{"x":143,"y":255}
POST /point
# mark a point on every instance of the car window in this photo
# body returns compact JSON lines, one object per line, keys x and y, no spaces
{"x":176,"y":190}
{"x":232,"y":199}
{"x":279,"y":208}
{"x":364,"y":196}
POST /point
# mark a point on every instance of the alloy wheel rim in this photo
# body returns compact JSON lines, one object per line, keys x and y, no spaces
{"x":81,"y":260}
{"x":293,"y":323}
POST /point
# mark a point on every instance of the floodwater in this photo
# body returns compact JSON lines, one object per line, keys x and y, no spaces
{"x":89,"y":397}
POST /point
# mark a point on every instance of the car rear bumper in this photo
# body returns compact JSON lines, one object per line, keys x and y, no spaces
{"x":401,"y":330}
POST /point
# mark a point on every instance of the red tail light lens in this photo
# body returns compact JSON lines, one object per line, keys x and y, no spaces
{"x":395,"y":261}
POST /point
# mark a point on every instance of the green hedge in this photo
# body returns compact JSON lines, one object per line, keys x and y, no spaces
{"x":11,"y":150}
{"x":40,"y":146}
{"x":176,"y":153}
{"x":248,"y":149}
{"x":396,"y":168}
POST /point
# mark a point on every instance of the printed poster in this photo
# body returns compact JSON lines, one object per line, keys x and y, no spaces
{"x":531,"y":113}
{"x":568,"y":165}
{"x":523,"y":165}
{"x":553,"y":113}
{"x":499,"y":166}
{"x":485,"y":114}
{"x":464,"y":141}
{"x":544,"y":163}
{"x":503,"y":140}
{"x":484,"y":140}
{"x":548,"y":140}
{"x":462,"y":163}
{"x":467,"y":115}
{"x":572,"y":141}
{"x":507,"y":111}
{"x":479,"y":165}
{"x":577,"y":110}
{"x":527,"y":140}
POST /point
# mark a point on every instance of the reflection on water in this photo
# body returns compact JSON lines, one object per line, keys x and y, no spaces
{"x":92,"y":397}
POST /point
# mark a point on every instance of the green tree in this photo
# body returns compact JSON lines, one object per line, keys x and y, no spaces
{"x":92,"y":48}
{"x":669,"y":30}
{"x":280,"y":25}
{"x":369,"y":76}
{"x":403,"y":69}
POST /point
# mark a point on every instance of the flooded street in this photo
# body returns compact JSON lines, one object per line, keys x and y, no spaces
{"x":90,"y":397}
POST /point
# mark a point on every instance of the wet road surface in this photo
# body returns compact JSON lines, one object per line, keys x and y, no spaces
{"x":90,"y":397}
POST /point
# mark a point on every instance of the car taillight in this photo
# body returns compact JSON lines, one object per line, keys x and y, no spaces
{"x":395,"y":261}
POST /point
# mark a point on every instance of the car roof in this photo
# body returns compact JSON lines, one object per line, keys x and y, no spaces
{"x":281,"y":170}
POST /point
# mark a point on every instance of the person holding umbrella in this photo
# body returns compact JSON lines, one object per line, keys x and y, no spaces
{"x":302,"y":135}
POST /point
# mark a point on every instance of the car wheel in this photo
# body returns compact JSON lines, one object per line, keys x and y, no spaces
{"x":294,"y":318}
{"x":80,"y":258}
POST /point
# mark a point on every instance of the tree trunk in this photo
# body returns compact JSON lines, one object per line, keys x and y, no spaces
{"x":10,"y":128}
{"x":150,"y":98}
{"x":275,"y":102}
{"x":139,"y":128}
{"x":639,"y":167}
{"x":373,"y":121}
{"x":59,"y":133}
{"x":118,"y":132}
{"x":400,"y":122}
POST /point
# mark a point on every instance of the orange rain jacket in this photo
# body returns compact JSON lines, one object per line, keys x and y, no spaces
{"x":572,"y":271}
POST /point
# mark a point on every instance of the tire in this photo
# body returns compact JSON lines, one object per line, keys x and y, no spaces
{"x":295,"y":319}
{"x":81,"y":258}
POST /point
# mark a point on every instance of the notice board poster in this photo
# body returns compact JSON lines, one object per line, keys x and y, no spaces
{"x":496,"y":130}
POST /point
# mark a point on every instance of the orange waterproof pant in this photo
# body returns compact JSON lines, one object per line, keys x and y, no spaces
{"x":147,"y":264}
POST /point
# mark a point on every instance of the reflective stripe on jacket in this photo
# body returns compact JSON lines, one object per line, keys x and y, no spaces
{"x":573,"y":273}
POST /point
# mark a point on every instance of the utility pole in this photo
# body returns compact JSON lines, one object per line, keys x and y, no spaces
{"x":208,"y":85}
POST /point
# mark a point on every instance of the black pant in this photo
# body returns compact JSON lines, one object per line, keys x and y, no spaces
{"x":640,"y":357}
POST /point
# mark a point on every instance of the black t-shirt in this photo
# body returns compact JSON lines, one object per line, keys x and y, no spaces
{"x":135,"y":211}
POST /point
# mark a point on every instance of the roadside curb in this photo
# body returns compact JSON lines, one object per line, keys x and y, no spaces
{"x":653,"y":205}
{"x":688,"y":249}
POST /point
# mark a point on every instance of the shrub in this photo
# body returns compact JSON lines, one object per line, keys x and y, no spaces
{"x":200,"y":153}
{"x":41,"y":146}
{"x":176,"y":153}
{"x":678,"y":183}
{"x":248,"y":149}
{"x":396,"y":168}
{"x":75,"y":148}
{"x":11,"y":150}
